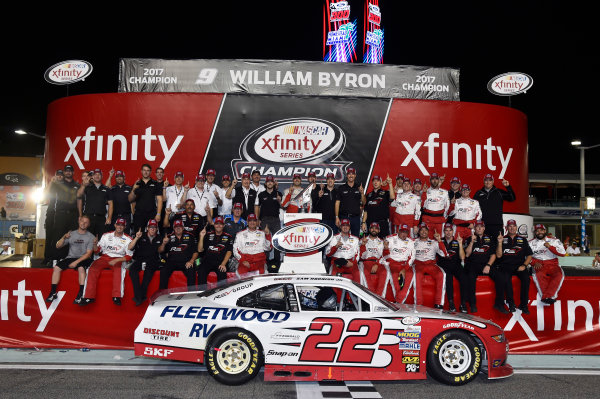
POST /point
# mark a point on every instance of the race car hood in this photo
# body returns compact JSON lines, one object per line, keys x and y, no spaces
{"x":425,"y":312}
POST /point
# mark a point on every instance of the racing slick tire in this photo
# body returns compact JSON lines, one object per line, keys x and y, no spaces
{"x":454,"y":358}
{"x":233,"y":356}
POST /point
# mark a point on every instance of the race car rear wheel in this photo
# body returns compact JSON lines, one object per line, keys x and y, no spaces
{"x":233,"y":356}
{"x":454,"y":358}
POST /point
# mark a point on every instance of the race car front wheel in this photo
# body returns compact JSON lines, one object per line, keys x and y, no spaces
{"x":454,"y":358}
{"x":233,"y":356}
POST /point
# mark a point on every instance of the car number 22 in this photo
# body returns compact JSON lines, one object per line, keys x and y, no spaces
{"x":314,"y":351}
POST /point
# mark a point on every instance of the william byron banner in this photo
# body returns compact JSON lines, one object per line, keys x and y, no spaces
{"x":288,"y":77}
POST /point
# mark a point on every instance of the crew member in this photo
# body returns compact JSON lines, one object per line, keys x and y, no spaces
{"x":452,"y":265}
{"x":548,"y":275}
{"x":343,"y":250}
{"x":147,"y":195}
{"x":465,"y":213}
{"x":371,"y":254}
{"x":114,"y":247}
{"x":96,"y":196}
{"x":204,"y":201}
{"x":255,"y":182}
{"x":212,"y":188}
{"x":81,"y":246}
{"x":398,"y":258}
{"x":268,"y":203}
{"x":480,"y":255}
{"x":435,"y":207}
{"x":145,"y":258}
{"x":250,"y":248}
{"x":491,"y":200}
{"x":453,"y":194}
{"x":193,"y":223}
{"x":225,"y":204}
{"x":425,"y":263}
{"x":514,"y":255}
{"x":176,"y":194}
{"x":312,"y":185}
{"x":66,"y":213}
{"x":351,"y":196}
{"x":244,"y":195}
{"x":290,"y":203}
{"x":50,"y":196}
{"x":216,"y":248}
{"x":323,"y":200}
{"x":408,"y":209}
{"x":119,"y":193}
{"x":377,"y":207}
{"x":235,"y":223}
{"x":181,"y":252}
{"x":417,"y":188}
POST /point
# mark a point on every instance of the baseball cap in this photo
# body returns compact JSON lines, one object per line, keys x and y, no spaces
{"x":59,"y":172}
{"x":345,"y":222}
{"x":434,"y":176}
{"x":511,"y":221}
{"x":539,"y":226}
{"x":177,"y":223}
{"x":423,"y":226}
{"x":97,"y":170}
{"x":245,"y":175}
{"x":251,"y":217}
{"x":210,"y":172}
{"x":296,"y":175}
{"x":312,"y":174}
{"x":400,"y":176}
{"x":68,"y":167}
{"x":479,"y":223}
{"x":256,"y":171}
{"x":376,"y":177}
{"x":152,"y":223}
{"x":350,"y":170}
{"x":417,"y":180}
{"x":406,"y":180}
{"x":179,"y":174}
{"x":404,"y":227}
{"x":238,"y":205}
{"x":90,"y":173}
{"x":269,"y":178}
{"x":465,"y":187}
{"x":455,"y":180}
{"x":374,"y":224}
{"x":200,"y":177}
{"x":189,"y":200}
{"x":226,"y":177}
{"x":119,"y":173}
{"x":448,"y":226}
{"x":121,"y":221}
{"x":330,"y":176}
{"x":488,"y":177}
{"x":219,"y":220}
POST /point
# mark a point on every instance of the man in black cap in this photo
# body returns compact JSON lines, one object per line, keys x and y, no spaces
{"x":147,"y":195}
{"x":119,"y":193}
{"x":146,"y":258}
{"x":491,"y":200}
{"x":350,"y":197}
{"x":268,"y":203}
{"x":453,"y":194}
{"x":96,"y":196}
{"x":377,"y":208}
{"x":66,"y":215}
{"x":216,"y":248}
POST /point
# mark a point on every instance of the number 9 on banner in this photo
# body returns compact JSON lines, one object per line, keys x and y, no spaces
{"x":206,"y":76}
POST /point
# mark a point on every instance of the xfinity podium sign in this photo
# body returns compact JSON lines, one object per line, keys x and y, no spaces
{"x":510,"y":84}
{"x":68,"y":72}
{"x":302,"y":238}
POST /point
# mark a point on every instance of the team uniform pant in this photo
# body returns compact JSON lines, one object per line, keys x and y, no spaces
{"x":140,"y":289}
{"x":493,"y":230}
{"x":91,"y":282}
{"x":435,"y":224}
{"x":257,"y":264}
{"x":206,"y":267}
{"x":391,"y":279}
{"x":399,"y":220}
{"x":274,"y":226}
{"x":439,"y":276}
{"x":456,"y":271}
{"x":365,"y":277}
{"x":98,"y":225}
{"x":461,"y":228}
{"x":472,"y":271}
{"x":503,"y":282}
{"x":64,"y":221}
{"x":170,"y":267}
{"x":549,"y":278}
{"x":140,"y":220}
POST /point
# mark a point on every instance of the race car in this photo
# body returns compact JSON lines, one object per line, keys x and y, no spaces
{"x":317,"y":327}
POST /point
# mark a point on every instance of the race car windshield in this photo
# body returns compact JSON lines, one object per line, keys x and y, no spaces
{"x":220,"y":286}
{"x":381,"y":300}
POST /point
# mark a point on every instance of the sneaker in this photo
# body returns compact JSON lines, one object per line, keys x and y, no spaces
{"x":117,"y":301}
{"x":77,"y":300}
{"x":438,"y":306}
{"x":473,"y":309}
{"x":86,"y":301}
{"x":463,"y":309}
{"x":524,"y":309}
{"x":501,"y":309}
{"x":52,"y":297}
{"x":511,"y":308}
{"x":549,"y":301}
{"x":137,"y":301}
{"x":451,"y":307}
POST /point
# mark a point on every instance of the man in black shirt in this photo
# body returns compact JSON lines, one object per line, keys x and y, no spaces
{"x":350,"y":197}
{"x":146,"y":258}
{"x":268,"y":203}
{"x":119,"y":193}
{"x":66,"y":216}
{"x":95,"y":196}
{"x":452,"y":265}
{"x":491,"y":200}
{"x":453,"y":194}
{"x":480,"y":252}
{"x":147,"y":195}
{"x":192,"y":221}
{"x":244,"y":195}
{"x":323,"y":201}
{"x":216,"y":248}
{"x":377,"y":208}
{"x":181,"y":250}
{"x":514,"y":257}
{"x":51,"y":238}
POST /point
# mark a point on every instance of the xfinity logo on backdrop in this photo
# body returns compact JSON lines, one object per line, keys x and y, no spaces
{"x":462,"y":155}
{"x":84,"y":143}
{"x":21,"y":293}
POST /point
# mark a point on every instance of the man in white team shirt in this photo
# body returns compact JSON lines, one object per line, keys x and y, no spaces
{"x":466,"y":212}
{"x":255,"y":182}
{"x":212,"y":188}
{"x":408,"y":208}
{"x":114,"y":247}
{"x":371,"y":254}
{"x":289,"y":203}
{"x":225,"y":204}
{"x":204,"y":200}
{"x":425,"y":263}
{"x":548,"y":275}
{"x":176,"y":194}
{"x":435,"y":206}
{"x":343,"y":249}
{"x":250,"y":248}
{"x":398,"y":258}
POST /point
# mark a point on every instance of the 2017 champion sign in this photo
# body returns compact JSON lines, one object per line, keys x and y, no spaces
{"x":302,"y":238}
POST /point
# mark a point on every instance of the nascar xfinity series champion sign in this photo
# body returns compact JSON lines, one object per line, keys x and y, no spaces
{"x":288,"y":77}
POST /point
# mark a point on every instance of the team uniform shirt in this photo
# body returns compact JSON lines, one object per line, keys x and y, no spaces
{"x":349,"y":249}
{"x":540,"y":252}
{"x":202,"y":198}
{"x":400,"y":250}
{"x":65,"y":193}
{"x":259,"y":188}
{"x":232,"y":227}
{"x":466,"y":210}
{"x":192,"y":224}
{"x":573,"y":251}
{"x":216,"y":247}
{"x":175,"y":196}
{"x":269,"y":206}
{"x":377,"y":206}
{"x":324,"y":204}
{"x":95,"y":199}
{"x":482,"y":249}
{"x":79,"y":244}
{"x":436,"y":202}
{"x":372,"y":250}
{"x":408,"y":203}
{"x":180,"y":250}
{"x":514,"y":250}
{"x":453,"y":254}
{"x":289,"y":203}
{"x":146,"y":249}
{"x":145,"y":196}
{"x":251,"y":242}
{"x":226,"y":203}
{"x":426,"y":250}
{"x":119,"y":196}
{"x":349,"y":198}
{"x":115,"y":247}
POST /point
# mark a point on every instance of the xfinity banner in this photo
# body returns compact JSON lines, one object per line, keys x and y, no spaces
{"x":288,"y":77}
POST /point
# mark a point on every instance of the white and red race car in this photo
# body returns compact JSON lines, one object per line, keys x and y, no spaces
{"x":317,"y":327}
